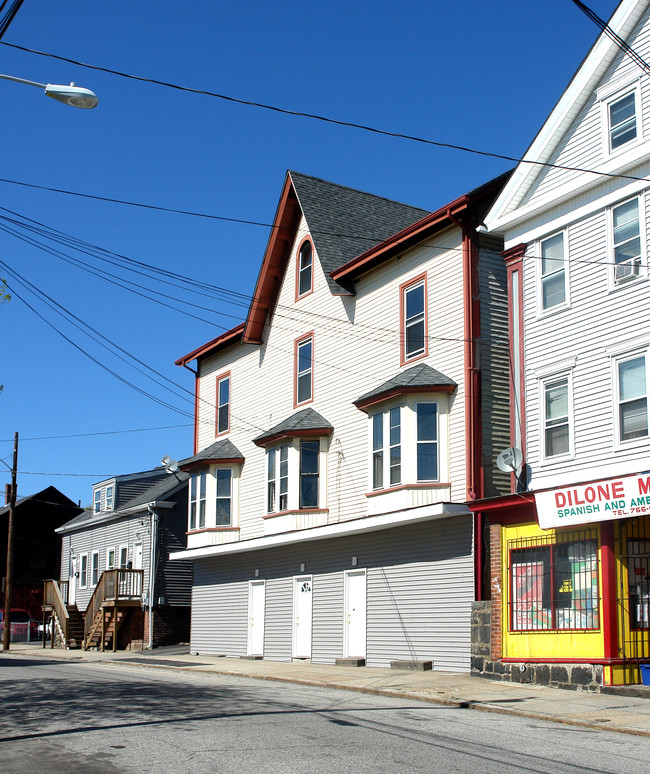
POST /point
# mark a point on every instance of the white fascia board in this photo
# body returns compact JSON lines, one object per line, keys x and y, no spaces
{"x":343,"y":529}
{"x":502,"y":214}
{"x":115,"y":515}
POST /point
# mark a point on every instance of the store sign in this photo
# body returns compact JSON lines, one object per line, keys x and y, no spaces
{"x":616,"y":498}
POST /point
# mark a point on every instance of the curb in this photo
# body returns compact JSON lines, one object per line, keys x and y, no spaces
{"x":387,"y":692}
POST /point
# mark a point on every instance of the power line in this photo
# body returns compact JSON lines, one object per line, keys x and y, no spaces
{"x":312,"y":116}
{"x":90,"y":435}
{"x":618,"y":40}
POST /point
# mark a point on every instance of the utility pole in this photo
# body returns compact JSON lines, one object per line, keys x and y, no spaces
{"x":6,"y":638}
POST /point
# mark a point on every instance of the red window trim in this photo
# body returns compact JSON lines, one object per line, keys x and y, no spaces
{"x":420,"y":279}
{"x":311,"y":288}
{"x":296,"y":345}
{"x":219,"y":379}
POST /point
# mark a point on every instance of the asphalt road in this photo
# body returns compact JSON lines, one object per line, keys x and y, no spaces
{"x":100,"y":719}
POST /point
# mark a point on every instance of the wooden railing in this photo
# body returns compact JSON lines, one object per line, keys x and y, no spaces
{"x":53,"y":596}
{"x":113,"y":586}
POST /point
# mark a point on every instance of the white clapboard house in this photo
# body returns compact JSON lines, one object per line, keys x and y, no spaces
{"x":571,"y":558}
{"x":342,"y":427}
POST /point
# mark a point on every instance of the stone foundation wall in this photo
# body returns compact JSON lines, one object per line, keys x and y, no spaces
{"x":574,"y":677}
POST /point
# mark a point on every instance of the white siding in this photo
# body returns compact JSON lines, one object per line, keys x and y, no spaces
{"x":583,"y":145}
{"x":356,"y":348}
{"x":419,"y":593}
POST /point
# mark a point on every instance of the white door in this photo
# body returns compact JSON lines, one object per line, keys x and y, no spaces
{"x":137,"y":556}
{"x":72,"y":581}
{"x":256,"y":602}
{"x":302,"y":616}
{"x":355,"y":614}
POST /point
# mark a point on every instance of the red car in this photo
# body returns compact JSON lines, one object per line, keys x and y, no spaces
{"x":24,"y":628}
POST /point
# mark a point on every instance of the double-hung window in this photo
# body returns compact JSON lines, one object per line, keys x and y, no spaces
{"x":414,"y":319}
{"x":223,"y":404}
{"x":632,"y":391}
{"x":124,"y":557}
{"x":197,"y":501}
{"x":110,"y":500}
{"x":427,"y":441}
{"x":224,"y":497}
{"x":304,"y":370}
{"x":97,"y":500}
{"x":83,"y":571}
{"x":110,"y":558}
{"x":94,"y":568}
{"x":556,"y":417}
{"x":622,"y":123}
{"x":626,"y":240}
{"x":305,"y":269}
{"x":387,"y":457}
{"x":277,"y":487}
{"x":553,"y":272}
{"x":309,"y":453}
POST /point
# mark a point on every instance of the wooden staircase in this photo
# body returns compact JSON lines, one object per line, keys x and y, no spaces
{"x":104,"y":628}
{"x":67,"y":621}
{"x":115,"y":594}
{"x":75,"y":636}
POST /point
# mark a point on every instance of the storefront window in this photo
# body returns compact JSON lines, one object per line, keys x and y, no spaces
{"x":554,"y":582}
{"x":638,"y":573}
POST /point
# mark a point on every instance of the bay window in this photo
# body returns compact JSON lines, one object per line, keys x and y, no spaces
{"x":427,"y":441}
{"x":224,"y":497}
{"x":197,"y":500}
{"x":405,"y":445}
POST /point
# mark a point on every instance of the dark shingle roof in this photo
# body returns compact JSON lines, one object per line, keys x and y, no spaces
{"x":344,"y":222}
{"x":221,"y":450}
{"x":159,"y":491}
{"x":418,"y":378}
{"x":304,"y":423}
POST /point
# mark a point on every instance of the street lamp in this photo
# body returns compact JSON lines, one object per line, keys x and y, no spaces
{"x":73,"y":95}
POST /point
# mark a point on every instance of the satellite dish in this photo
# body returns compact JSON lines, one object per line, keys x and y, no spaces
{"x":170,"y":465}
{"x":510,"y":459}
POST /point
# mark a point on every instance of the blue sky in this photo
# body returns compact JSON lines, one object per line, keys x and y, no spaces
{"x":483,"y":75}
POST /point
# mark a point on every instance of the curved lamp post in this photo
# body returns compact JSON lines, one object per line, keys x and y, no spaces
{"x":70,"y":95}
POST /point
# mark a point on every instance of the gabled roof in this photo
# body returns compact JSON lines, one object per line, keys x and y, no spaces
{"x":473,"y":204}
{"x":343,"y":222}
{"x":418,"y":378}
{"x":579,"y":91}
{"x":306,"y":423}
{"x":50,"y":496}
{"x":161,"y":490}
{"x":220,"y":451}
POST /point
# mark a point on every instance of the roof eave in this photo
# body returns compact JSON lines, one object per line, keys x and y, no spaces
{"x":273,"y":264}
{"x":365,"y":404}
{"x":312,"y":432}
{"x":226,"y":339}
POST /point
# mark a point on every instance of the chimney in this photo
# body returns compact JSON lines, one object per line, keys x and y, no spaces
{"x":7,"y":493}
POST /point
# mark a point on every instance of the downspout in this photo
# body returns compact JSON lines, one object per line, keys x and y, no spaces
{"x":152,"y":567}
{"x":472,"y":330}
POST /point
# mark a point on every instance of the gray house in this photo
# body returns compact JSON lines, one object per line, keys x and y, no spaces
{"x":117,"y":587}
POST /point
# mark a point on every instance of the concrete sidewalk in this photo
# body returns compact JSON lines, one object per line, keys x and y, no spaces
{"x":626,"y":711}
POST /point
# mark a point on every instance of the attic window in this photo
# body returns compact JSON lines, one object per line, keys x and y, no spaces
{"x":622,"y":122}
{"x":305,"y":269}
